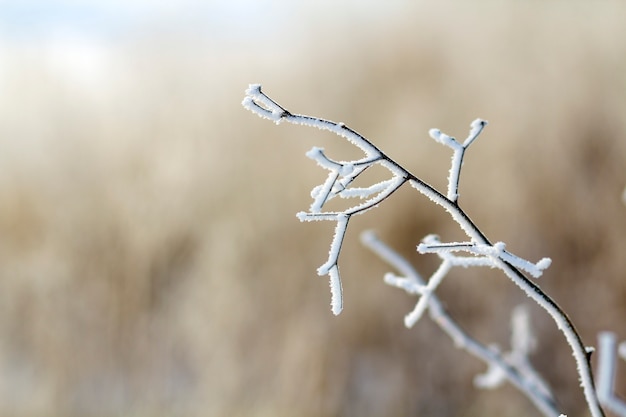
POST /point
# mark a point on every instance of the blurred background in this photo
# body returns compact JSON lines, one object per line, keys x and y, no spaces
{"x":151,"y":263}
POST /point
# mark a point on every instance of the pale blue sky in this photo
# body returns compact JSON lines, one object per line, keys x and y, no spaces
{"x":28,"y":20}
{"x":75,"y":37}
{"x":32,"y":20}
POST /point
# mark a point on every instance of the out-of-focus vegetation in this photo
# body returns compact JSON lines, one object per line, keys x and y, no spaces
{"x":150,"y":258}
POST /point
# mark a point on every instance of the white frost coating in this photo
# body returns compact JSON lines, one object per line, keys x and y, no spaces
{"x":341,"y":130}
{"x":606,"y":366}
{"x":253,"y":90}
{"x":430,"y":245}
{"x":303,"y":216}
{"x":435,"y":134}
{"x":335,"y":246}
{"x":436,"y":197}
{"x":536,"y":270}
{"x":431,"y":239}
{"x":346,"y":169}
{"x":317,"y":155}
{"x":370,"y":240}
{"x":607,"y":369}
{"x":364,"y":193}
{"x":356,"y":171}
{"x":315,"y":191}
{"x":394,"y":168}
{"x":496,"y":250}
{"x":458,"y":153}
{"x":331,"y":268}
{"x":493,"y":377}
{"x":442,"y":138}
{"x":477,"y":127}
{"x":341,"y":175}
{"x":262,"y":105}
{"x":522,"y":344}
{"x":336,"y":291}
{"x":454,"y":174}
{"x":407,"y":284}
{"x":426,"y":293}
{"x":562,"y":322}
{"x":466,"y":261}
{"x":323,"y":192}
{"x":522,"y":339}
{"x":544,"y":263}
{"x":374,"y":201}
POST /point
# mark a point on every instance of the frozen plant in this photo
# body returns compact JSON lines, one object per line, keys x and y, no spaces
{"x":478,"y":250}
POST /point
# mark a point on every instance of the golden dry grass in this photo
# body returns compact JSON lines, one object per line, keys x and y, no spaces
{"x":151,"y":262}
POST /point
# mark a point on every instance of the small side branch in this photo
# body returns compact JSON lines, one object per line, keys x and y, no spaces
{"x":459,"y":149}
{"x":489,"y":252}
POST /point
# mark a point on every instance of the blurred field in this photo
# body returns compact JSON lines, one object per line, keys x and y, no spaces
{"x":151,"y":263}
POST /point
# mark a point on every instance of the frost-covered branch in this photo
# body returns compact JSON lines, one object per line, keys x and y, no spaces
{"x":607,"y":367}
{"x":342,"y":173}
{"x":513,"y":366}
{"x":340,"y":177}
